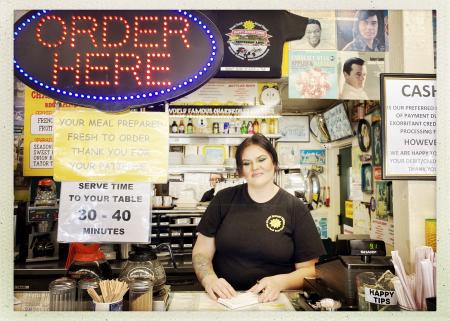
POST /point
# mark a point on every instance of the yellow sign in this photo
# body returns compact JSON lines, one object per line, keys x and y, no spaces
{"x":285,"y":60}
{"x":349,"y":209}
{"x":38,"y":133}
{"x":113,"y":147}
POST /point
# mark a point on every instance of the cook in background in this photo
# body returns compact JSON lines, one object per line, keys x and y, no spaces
{"x":255,"y":236}
{"x":213,"y":180}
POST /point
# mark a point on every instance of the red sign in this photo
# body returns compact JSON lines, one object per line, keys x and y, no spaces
{"x":377,"y":173}
{"x":112,"y":60}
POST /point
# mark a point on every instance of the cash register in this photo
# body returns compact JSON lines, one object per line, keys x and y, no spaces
{"x":336,"y":278}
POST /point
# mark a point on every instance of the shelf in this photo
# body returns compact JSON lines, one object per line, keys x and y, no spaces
{"x":166,"y":235}
{"x":283,"y":167}
{"x":164,"y":224}
{"x":185,"y":214}
{"x":182,"y":169}
{"x":183,"y":225}
{"x":180,"y":234}
{"x":198,"y":135}
{"x":211,"y":139}
{"x":43,"y":208}
{"x":176,"y":211}
{"x":41,"y":233}
{"x":42,"y":258}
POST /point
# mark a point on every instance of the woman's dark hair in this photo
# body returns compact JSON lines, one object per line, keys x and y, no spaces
{"x":259,"y":140}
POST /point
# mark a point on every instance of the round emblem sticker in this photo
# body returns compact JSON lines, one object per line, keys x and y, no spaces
{"x":275,"y":223}
{"x":248,"y":40}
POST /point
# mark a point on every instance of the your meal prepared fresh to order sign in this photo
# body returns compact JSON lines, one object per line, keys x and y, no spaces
{"x":104,"y":212}
{"x":111,"y":147}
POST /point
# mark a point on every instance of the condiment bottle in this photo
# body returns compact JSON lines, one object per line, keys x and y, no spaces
{"x":250,"y":127}
{"x":271,"y":126}
{"x":327,"y":198}
{"x":141,"y":294}
{"x":256,"y":126}
{"x":215,"y":128}
{"x":62,"y":294}
{"x":243,"y":127}
{"x":83,"y":298}
{"x":264,"y":127}
{"x":181,"y":127}
{"x":174,"y":127}
{"x":226,"y":127}
{"x":190,"y":127}
{"x":202,"y":125}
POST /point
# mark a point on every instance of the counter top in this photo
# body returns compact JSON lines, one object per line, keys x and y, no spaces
{"x":200,"y":301}
{"x":179,"y":301}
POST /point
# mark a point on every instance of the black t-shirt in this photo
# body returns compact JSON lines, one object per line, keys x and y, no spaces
{"x":254,"y":240}
{"x":253,"y":40}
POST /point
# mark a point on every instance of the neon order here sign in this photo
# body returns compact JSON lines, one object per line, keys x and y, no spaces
{"x":112,"y":60}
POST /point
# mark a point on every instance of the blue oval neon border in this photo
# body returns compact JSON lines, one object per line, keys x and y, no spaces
{"x":186,"y":82}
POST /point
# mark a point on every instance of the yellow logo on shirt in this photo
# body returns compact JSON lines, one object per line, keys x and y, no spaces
{"x":275,"y":223}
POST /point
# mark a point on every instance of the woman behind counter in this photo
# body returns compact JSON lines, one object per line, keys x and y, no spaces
{"x":255,"y":236}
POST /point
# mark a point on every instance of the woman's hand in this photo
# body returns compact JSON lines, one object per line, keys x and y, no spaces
{"x":270,"y":288}
{"x":218,"y":287}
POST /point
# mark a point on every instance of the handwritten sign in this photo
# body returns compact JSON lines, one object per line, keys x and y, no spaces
{"x":409,"y":126}
{"x":120,"y":147}
{"x":104,"y":212}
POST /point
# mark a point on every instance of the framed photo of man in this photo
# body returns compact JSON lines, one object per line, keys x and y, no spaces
{"x":320,"y":32}
{"x":359,"y":74}
{"x":362,"y":30}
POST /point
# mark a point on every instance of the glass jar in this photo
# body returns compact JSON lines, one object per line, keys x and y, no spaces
{"x":141,"y":294}
{"x":62,"y":294}
{"x":83,"y":298}
{"x":376,"y":292}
